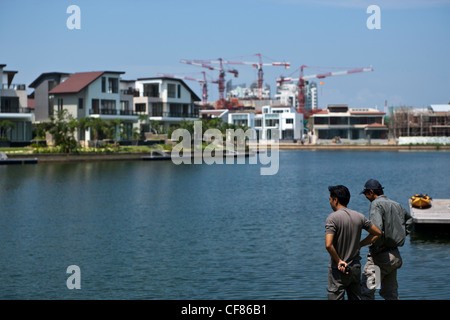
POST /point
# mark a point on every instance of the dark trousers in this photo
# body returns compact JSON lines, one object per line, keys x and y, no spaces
{"x":339,"y":283}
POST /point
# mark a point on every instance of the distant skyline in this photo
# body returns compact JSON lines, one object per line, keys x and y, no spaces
{"x":409,"y":54}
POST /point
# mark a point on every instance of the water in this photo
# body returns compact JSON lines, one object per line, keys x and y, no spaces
{"x":154,"y":230}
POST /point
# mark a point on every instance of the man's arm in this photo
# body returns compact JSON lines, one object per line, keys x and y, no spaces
{"x":376,"y":215}
{"x":332,"y":251}
{"x":374,"y":234}
{"x":408,"y":221}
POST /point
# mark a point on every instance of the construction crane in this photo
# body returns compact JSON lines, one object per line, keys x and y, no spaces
{"x":258,"y":65}
{"x":221,"y":70}
{"x":203,"y":83}
{"x":302,"y":82}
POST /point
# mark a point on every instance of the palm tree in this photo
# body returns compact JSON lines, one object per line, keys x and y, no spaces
{"x":97,"y":126}
{"x":5,"y":126}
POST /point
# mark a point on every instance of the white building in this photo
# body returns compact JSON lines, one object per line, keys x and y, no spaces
{"x":281,"y":122}
{"x":168,"y":101}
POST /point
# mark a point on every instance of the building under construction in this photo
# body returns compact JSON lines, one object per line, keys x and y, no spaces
{"x":433,"y":121}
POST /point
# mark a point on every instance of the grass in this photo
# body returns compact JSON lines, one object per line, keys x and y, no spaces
{"x":107,"y":149}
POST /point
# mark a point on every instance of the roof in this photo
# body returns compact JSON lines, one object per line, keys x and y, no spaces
{"x":367,"y":112}
{"x":440,"y":107}
{"x":43,"y":75}
{"x":376,"y":125}
{"x":78,"y":81}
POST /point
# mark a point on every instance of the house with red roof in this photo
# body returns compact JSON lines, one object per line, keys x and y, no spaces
{"x":353,"y":125}
{"x":93,"y":94}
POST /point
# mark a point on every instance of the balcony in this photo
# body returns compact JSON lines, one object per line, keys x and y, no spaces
{"x":174,"y":114}
{"x":113,"y":112}
{"x":130,"y":91}
{"x":13,"y":86}
{"x":8,"y":109}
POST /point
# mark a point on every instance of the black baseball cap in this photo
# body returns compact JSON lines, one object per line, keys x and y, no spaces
{"x":371,"y":184}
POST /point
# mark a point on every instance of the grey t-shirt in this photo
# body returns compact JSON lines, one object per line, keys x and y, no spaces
{"x":346,"y":225}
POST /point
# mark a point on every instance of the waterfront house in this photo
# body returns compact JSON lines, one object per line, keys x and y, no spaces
{"x":15,"y":116}
{"x":283,"y":122}
{"x":168,"y":101}
{"x":95,"y":95}
{"x":343,"y":124}
{"x":43,"y":102}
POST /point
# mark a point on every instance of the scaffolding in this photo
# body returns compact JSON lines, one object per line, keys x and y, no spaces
{"x":418,"y":122}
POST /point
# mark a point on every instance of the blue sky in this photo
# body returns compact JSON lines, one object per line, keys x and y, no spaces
{"x":410,"y":53}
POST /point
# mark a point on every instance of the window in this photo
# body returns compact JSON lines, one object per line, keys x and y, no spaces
{"x":95,"y":106}
{"x":151,"y":90}
{"x":157,"y":109}
{"x":60,"y":104}
{"x":257,"y":122}
{"x":108,"y":107}
{"x":321,"y":120}
{"x":51,"y":104}
{"x":272,"y":122}
{"x":140,"y":107}
{"x":171,"y":90}
{"x":179,"y":91}
{"x":103,"y":84}
{"x":113,"y":85}
{"x":289,"y":121}
{"x":124,"y":105}
{"x":80,"y":103}
{"x":338,"y":120}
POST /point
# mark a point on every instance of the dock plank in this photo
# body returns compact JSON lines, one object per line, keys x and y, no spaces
{"x":438,"y":213}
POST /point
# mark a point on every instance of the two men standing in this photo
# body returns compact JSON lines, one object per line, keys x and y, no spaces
{"x":388,"y":225}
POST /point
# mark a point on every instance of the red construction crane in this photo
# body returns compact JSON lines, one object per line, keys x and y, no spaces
{"x":203,"y":83}
{"x":302,"y":79}
{"x":258,"y":65}
{"x":221,"y":70}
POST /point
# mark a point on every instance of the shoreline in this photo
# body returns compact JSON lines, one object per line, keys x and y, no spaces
{"x":131,"y":156}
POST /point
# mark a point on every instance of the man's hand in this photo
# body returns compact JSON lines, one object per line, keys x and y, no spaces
{"x":342,"y":266}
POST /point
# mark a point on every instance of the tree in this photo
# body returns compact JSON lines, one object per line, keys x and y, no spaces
{"x":112,"y":129}
{"x":97,"y":126}
{"x":62,"y":128}
{"x":136,"y":135}
{"x":5,"y":126}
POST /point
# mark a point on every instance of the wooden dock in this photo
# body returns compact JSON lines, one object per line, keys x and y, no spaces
{"x":435,"y":218}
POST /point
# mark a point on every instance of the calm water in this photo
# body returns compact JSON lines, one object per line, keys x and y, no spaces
{"x":154,"y":230}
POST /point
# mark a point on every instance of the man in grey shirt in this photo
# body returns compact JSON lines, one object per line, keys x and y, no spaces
{"x":395,"y":223}
{"x":342,"y":240}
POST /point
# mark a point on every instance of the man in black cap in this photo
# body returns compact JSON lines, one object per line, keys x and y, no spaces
{"x":384,"y":258}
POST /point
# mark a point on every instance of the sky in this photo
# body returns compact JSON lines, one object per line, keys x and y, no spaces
{"x":410,"y":53}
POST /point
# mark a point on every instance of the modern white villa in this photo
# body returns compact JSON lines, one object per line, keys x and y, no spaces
{"x":169,"y":101}
{"x":274,"y":122}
